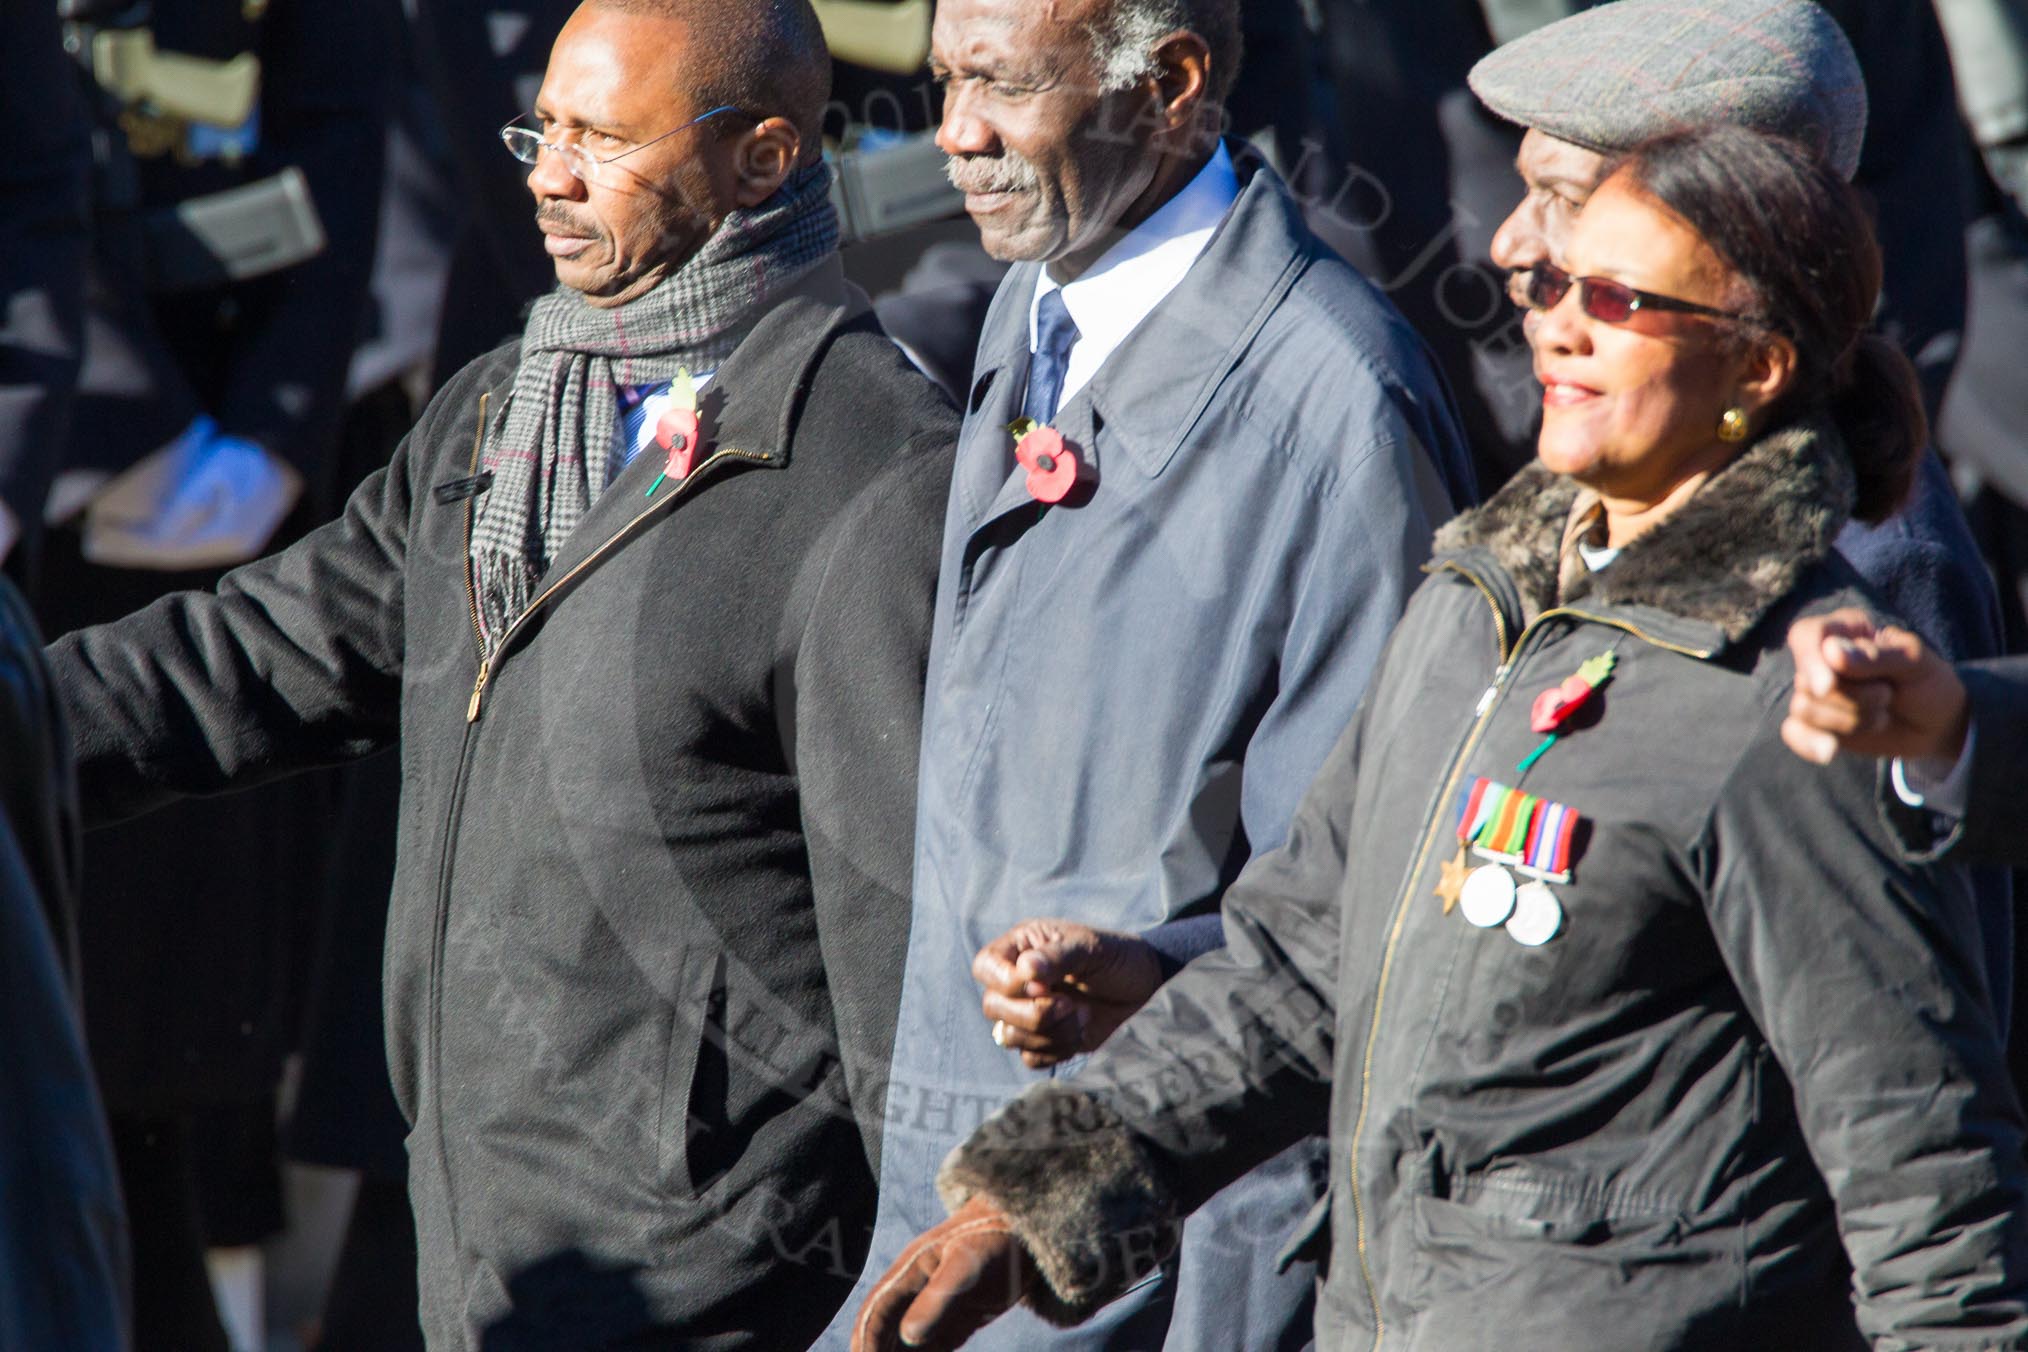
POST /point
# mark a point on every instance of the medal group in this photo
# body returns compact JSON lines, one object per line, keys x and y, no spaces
{"x":1519,"y":833}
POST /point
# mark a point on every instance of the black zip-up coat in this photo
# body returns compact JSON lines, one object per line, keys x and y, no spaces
{"x":1751,"y":1097}
{"x":653,"y":860}
{"x":63,"y":1237}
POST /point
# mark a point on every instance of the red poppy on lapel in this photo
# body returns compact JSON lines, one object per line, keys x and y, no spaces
{"x":1051,"y":464}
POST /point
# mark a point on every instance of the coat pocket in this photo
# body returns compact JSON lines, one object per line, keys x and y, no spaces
{"x":695,"y":1017}
{"x":739,"y":1066}
{"x":1510,"y":1231}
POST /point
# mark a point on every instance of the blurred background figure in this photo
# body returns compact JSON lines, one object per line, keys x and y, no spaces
{"x":482,"y":61}
{"x":43,"y":183}
{"x":235,"y":192}
{"x":63,"y":1244}
{"x":1986,"y":410}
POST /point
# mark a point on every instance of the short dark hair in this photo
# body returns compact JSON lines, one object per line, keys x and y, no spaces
{"x":767,"y":57}
{"x":1125,"y":31}
{"x":1799,"y":238}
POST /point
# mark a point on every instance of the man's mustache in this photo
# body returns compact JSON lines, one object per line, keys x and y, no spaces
{"x":980,"y":174}
{"x":558,"y":217}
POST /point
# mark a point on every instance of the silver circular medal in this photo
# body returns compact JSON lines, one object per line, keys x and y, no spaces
{"x":1537,"y":917}
{"x":1488,"y":898}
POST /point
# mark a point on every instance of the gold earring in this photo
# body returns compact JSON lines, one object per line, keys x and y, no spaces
{"x":1732,"y":427}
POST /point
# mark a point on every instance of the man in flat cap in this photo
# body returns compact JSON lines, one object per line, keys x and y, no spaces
{"x":1603,"y":81}
{"x":1419,"y":173}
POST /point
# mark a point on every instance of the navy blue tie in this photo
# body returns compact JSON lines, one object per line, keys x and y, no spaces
{"x":1055,"y":334}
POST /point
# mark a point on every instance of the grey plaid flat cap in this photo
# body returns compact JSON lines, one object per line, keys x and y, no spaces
{"x":1612,"y":77}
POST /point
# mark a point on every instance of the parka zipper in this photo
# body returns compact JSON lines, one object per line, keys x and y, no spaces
{"x":488,"y":662}
{"x":439,"y":943}
{"x":1471,"y":741}
{"x":1510,"y":656}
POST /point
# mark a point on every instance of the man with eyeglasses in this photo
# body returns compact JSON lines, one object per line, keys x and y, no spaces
{"x":645,"y":598}
{"x":1603,"y":81}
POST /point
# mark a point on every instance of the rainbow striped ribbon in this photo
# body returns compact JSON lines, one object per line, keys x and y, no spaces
{"x":1518,"y":828}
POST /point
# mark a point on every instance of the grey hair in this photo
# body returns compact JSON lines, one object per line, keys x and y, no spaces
{"x":1123,"y":41}
{"x":1124,"y":36}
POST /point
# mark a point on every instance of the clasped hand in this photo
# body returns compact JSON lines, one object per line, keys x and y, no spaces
{"x":1871,"y":691}
{"x":1055,"y":989}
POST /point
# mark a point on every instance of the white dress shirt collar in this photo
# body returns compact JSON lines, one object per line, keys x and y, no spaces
{"x":1130,"y":279}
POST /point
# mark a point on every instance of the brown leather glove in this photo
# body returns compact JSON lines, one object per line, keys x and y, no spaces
{"x":947,"y":1285}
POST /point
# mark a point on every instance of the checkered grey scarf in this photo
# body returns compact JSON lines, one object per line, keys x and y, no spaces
{"x":550,"y":452}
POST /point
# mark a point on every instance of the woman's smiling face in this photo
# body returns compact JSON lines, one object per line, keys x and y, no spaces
{"x":1633,"y":409}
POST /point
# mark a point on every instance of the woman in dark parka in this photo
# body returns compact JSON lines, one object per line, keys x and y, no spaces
{"x":1630,"y":1029}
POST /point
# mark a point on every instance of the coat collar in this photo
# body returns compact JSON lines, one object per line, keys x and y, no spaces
{"x":1149,"y":395}
{"x":757,"y":392}
{"x":751,"y":404}
{"x":761,"y":386}
{"x":1719,"y":563}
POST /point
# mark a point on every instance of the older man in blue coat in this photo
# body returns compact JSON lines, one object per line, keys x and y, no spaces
{"x":1201,"y":466}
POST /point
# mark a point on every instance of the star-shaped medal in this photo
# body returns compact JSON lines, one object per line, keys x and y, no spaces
{"x":1452,"y":886}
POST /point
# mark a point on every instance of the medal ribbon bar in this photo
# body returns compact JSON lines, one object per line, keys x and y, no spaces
{"x":1530,"y":835}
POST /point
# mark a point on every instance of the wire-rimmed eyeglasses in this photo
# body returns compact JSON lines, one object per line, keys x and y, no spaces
{"x":525,"y":144}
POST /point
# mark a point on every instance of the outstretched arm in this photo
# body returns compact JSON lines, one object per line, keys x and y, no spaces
{"x":1878,"y":691}
{"x":293,"y":661}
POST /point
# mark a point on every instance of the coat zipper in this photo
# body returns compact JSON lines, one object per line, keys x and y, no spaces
{"x":1485,"y":708}
{"x":1509,"y":657}
{"x":489,"y":661}
{"x":439,"y":936}
{"x":440,"y":922}
{"x":439,"y":943}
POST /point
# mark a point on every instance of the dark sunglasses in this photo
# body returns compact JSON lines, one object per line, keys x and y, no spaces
{"x":1607,"y":301}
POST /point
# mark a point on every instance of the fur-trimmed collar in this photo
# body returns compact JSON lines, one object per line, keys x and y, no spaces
{"x":1724,"y":557}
